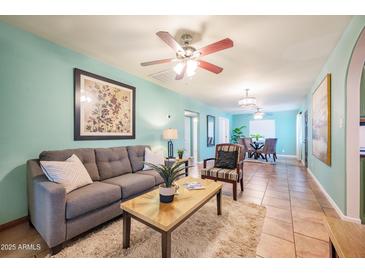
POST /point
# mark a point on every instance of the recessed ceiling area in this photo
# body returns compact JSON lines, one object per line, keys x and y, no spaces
{"x":276,"y":57}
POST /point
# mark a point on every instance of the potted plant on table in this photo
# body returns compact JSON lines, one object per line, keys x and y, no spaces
{"x":257,"y":136}
{"x":169,"y":175}
{"x":180,"y":153}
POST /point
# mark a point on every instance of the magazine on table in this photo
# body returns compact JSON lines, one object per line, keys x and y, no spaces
{"x":194,"y":186}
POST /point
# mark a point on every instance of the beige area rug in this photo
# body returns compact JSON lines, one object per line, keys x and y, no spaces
{"x":236,"y":233}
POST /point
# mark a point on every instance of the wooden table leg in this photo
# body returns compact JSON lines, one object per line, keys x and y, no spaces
{"x":332,"y":250}
{"x":126,"y":229}
{"x":166,"y":244}
{"x":219,"y":202}
{"x":186,"y":168}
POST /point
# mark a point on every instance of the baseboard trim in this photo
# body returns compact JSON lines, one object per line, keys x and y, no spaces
{"x":287,"y":155}
{"x":14,"y":222}
{"x":332,"y":202}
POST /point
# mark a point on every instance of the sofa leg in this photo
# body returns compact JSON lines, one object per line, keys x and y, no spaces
{"x":235,"y":191}
{"x":56,"y":249}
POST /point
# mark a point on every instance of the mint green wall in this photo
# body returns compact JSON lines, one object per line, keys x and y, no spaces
{"x":285,"y":122}
{"x":333,"y":178}
{"x":36,"y":109}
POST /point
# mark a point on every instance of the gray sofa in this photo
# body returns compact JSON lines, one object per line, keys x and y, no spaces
{"x":117,"y":174}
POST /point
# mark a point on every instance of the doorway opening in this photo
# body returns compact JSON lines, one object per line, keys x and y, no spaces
{"x":191,"y":136}
{"x":306,"y":139}
{"x":223,"y":126}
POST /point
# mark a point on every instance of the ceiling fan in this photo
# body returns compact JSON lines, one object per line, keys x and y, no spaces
{"x":188,"y":57}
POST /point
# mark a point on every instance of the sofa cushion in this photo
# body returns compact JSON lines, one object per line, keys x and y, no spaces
{"x":86,"y":155}
{"x":132,"y":183}
{"x":112,"y":162}
{"x":136,"y":156}
{"x":154,"y":174}
{"x":89,"y":198}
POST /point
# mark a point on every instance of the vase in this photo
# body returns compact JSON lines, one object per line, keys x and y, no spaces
{"x":167,"y":193}
{"x":180,"y":155}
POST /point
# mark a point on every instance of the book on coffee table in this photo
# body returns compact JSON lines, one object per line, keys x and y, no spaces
{"x":193,"y":186}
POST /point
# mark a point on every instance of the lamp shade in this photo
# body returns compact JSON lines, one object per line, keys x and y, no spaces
{"x":170,"y":134}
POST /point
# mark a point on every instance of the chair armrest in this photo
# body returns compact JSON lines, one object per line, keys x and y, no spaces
{"x":206,"y":160}
{"x":47,"y":206}
{"x":239,"y":165}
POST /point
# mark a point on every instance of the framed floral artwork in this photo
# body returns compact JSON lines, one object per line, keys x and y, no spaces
{"x":104,"y":109}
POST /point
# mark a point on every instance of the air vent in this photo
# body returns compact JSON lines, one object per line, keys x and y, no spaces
{"x":164,"y":76}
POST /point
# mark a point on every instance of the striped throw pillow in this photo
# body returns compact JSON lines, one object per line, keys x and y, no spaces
{"x":71,"y":173}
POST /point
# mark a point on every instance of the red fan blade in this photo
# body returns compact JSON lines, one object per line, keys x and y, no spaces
{"x":168,"y":39}
{"x":208,"y":66}
{"x":181,"y":75}
{"x":156,"y":62}
{"x":217,"y":46}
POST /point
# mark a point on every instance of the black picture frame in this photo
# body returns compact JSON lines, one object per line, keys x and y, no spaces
{"x":210,"y":132}
{"x":77,"y":106}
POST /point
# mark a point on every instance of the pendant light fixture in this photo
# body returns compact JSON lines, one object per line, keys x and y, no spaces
{"x":248,"y":102}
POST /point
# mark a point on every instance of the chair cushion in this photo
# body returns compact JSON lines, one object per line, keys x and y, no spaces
{"x":221,"y":173}
{"x":154,"y":173}
{"x":86,"y":155}
{"x":132,"y":183}
{"x":90,"y":197}
{"x":112,"y":162}
{"x":226,"y":159}
{"x":136,"y":156}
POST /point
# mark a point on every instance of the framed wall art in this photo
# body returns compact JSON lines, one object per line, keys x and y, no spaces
{"x":321,"y":121}
{"x":104,"y":109}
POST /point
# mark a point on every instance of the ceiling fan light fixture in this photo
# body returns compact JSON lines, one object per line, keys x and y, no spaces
{"x":191,"y":68}
{"x":258,"y":115}
{"x":178,"y":68}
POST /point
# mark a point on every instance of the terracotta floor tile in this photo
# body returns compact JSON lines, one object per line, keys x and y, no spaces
{"x":278,"y":228}
{"x":310,"y":248}
{"x":303,"y":195}
{"x":277,"y":194}
{"x":312,"y":205}
{"x":311,"y":229}
{"x":273,"y":247}
{"x":256,"y":187}
{"x":299,"y":213}
{"x":278,"y":188}
{"x":279,"y":213}
{"x":275,"y":202}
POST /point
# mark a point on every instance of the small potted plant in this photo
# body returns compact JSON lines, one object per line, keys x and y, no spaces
{"x":180,"y":153}
{"x":169,"y":175}
{"x":257,"y":136}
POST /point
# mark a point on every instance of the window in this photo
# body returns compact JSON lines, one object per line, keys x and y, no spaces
{"x":265,"y":128}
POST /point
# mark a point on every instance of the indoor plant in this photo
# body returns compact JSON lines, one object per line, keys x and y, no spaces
{"x":257,"y":136}
{"x":180,"y":153}
{"x":237,"y":134}
{"x":169,"y":174}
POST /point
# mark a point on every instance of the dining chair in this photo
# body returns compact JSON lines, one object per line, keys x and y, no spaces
{"x":228,"y":166}
{"x":269,"y":148}
{"x":246,"y":143}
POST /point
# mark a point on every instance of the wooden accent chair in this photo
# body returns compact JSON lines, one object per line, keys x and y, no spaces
{"x":247,"y":148}
{"x":269,"y":148}
{"x":233,"y":176}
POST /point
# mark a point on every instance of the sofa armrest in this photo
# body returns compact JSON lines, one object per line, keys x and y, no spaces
{"x":206,"y":160}
{"x":47,"y":205}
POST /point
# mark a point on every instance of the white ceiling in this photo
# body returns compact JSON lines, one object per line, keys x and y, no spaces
{"x":277,"y":57}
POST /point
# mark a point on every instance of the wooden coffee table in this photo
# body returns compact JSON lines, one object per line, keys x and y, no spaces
{"x":164,"y":218}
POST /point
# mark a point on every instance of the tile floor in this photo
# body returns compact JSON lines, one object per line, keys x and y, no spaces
{"x":295,"y":208}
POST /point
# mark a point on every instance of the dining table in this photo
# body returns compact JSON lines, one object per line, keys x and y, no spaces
{"x":257,"y":145}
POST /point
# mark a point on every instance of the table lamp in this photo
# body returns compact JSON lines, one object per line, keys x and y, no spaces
{"x":170,"y":134}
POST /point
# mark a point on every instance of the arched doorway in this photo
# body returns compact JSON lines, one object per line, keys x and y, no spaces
{"x":353,"y":82}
